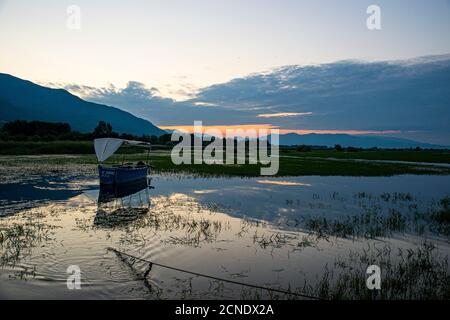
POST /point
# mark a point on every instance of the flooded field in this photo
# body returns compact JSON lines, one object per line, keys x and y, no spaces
{"x":308,"y":235}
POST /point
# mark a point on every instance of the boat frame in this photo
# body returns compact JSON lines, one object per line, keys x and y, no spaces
{"x":124,"y":173}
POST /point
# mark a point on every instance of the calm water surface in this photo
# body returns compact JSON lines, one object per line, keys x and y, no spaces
{"x":263,"y":231}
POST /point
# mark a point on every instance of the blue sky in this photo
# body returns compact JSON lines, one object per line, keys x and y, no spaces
{"x":179,"y":46}
{"x":162,"y":60}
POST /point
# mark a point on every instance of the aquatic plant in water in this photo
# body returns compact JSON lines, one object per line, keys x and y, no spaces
{"x":419,"y":273}
{"x":17,"y":240}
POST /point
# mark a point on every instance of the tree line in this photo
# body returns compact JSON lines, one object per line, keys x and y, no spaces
{"x":42,"y":131}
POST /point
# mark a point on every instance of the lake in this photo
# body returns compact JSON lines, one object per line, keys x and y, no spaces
{"x":293,"y":233}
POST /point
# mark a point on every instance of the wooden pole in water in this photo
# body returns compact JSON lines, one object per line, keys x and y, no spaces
{"x":148,"y":154}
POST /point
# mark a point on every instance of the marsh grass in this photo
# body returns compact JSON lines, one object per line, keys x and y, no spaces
{"x":435,"y":156}
{"x":183,"y":221}
{"x":188,"y":222}
{"x":420,"y":273}
{"x":8,"y":208}
{"x":197,"y":232}
{"x":119,"y":217}
{"x":413,"y":274}
{"x":29,"y":168}
{"x":368,"y":225}
{"x":273,"y":239}
{"x":18,"y":239}
{"x":441,"y":217}
{"x":375,"y":222}
{"x":84,"y":165}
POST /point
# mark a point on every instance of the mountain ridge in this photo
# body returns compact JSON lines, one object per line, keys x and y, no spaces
{"x":357,"y":141}
{"x":24,"y":100}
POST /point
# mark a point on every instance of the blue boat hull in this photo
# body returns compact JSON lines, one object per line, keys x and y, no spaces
{"x":120,"y":175}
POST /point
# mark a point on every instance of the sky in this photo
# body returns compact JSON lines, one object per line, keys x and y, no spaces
{"x":181,"y":46}
{"x":172,"y":61}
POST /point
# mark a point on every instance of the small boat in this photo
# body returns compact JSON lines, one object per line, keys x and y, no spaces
{"x":119,"y":174}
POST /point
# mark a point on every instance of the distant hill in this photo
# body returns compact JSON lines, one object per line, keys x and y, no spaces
{"x":25,"y":100}
{"x":346,"y":140}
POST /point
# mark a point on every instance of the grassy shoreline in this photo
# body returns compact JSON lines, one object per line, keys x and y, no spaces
{"x":59,"y":154}
{"x":289,"y":166}
{"x":87,"y":147}
{"x":426,"y":156}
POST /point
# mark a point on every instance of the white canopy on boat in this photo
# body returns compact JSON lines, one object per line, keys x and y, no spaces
{"x":105,"y":147}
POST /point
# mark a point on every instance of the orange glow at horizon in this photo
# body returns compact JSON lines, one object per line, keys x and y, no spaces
{"x":354,"y":132}
{"x":223,"y":128}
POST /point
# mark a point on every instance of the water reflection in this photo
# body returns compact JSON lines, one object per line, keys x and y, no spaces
{"x":31,"y":193}
{"x":284,"y":183}
{"x":275,"y":232}
{"x":109,"y":193}
{"x":119,"y":205}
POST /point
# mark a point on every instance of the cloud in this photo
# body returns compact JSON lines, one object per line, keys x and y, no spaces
{"x":147,"y":103}
{"x":135,"y":97}
{"x":283,"y":114}
{"x":390,"y":96}
{"x":408,"y":98}
{"x":205,"y":104}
